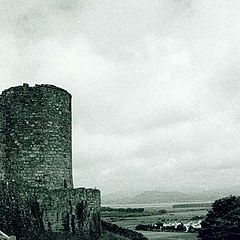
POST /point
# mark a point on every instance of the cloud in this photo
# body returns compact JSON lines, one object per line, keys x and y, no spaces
{"x":155,"y":85}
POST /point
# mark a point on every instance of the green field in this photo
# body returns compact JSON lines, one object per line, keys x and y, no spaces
{"x":151,"y":216}
{"x":169,"y":236}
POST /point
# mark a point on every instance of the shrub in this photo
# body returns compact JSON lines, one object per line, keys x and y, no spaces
{"x":222,"y":221}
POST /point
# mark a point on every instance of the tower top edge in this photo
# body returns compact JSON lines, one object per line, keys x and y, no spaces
{"x":36,"y":86}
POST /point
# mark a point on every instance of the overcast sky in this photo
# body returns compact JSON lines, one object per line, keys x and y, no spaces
{"x":155,"y":85}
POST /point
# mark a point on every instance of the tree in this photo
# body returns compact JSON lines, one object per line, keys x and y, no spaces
{"x":223,"y":220}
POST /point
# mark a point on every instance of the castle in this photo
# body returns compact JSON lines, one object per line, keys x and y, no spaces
{"x":36,"y":152}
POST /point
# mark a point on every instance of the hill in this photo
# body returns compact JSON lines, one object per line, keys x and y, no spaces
{"x":149,"y":197}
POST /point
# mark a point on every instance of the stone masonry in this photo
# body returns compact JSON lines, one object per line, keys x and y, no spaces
{"x":36,"y":135}
{"x":36,"y":154}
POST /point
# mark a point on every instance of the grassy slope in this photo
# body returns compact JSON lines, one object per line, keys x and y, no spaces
{"x":110,"y":236}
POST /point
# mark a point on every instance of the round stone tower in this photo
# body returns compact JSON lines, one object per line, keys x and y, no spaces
{"x":2,"y":144}
{"x":37,"y":129}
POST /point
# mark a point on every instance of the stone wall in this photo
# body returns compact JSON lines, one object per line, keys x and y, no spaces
{"x":19,"y":215}
{"x":74,"y":211}
{"x":38,"y":135}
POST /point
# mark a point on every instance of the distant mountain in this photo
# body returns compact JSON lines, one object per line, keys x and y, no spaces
{"x":114,"y":197}
{"x":217,"y":193}
{"x":151,"y":197}
{"x":161,"y":197}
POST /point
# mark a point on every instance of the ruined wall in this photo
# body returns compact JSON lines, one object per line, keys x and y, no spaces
{"x":74,"y":211}
{"x":37,"y":130}
{"x":19,"y":212}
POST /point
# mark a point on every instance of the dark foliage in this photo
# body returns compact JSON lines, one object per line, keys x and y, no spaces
{"x":81,"y":213}
{"x":66,"y":222}
{"x":223,"y":220}
{"x":18,"y":216}
{"x":149,"y":227}
{"x":126,"y":210}
{"x":163,"y":211}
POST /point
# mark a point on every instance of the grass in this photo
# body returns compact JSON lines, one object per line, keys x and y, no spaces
{"x":169,"y":235}
{"x":153,"y":216}
{"x":110,"y":236}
